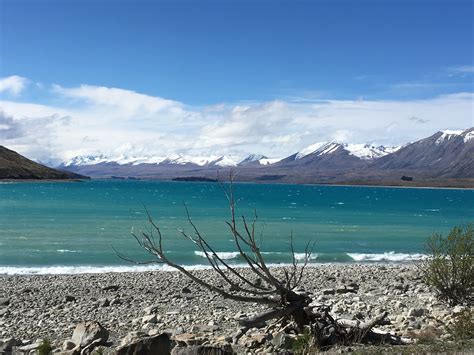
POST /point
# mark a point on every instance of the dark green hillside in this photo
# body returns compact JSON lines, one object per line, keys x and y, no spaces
{"x":16,"y":166}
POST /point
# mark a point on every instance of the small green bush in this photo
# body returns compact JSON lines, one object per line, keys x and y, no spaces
{"x":449,"y":266}
{"x":45,"y":348}
{"x":303,"y":344}
{"x":463,"y":326}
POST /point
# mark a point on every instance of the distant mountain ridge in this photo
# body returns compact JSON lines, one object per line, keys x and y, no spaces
{"x":362,"y":151}
{"x":443,"y":155}
{"x":16,"y":166}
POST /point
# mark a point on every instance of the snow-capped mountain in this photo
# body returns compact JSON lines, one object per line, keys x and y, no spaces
{"x":180,"y":159}
{"x":445,"y":153}
{"x":82,"y":160}
{"x":446,"y":135}
{"x":362,"y":151}
{"x":252,"y":158}
{"x":85,"y":160}
{"x":224,"y":161}
{"x":175,"y":159}
{"x":257,"y":159}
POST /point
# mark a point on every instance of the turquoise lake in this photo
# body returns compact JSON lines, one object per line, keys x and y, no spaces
{"x":72,"y":226}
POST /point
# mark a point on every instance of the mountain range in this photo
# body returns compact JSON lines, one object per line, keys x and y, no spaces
{"x":445,"y":158}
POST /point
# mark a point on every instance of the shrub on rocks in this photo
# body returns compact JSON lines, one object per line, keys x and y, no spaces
{"x":45,"y":347}
{"x":449,"y":267}
{"x":463,"y":326}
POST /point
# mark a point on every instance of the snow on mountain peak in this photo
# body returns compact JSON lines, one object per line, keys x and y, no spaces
{"x":180,"y":159}
{"x":253,"y":157}
{"x":468,"y":135}
{"x":309,"y":150}
{"x":86,"y":160}
{"x":224,"y":161}
{"x":362,"y":151}
{"x":368,"y":151}
{"x":447,"y":135}
{"x":260,"y":159}
{"x":268,"y":161}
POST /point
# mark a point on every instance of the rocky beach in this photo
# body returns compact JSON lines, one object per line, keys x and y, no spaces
{"x":137,"y":305}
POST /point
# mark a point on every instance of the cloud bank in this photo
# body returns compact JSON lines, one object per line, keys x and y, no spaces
{"x":112,"y":121}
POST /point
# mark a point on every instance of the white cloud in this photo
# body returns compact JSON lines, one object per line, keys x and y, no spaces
{"x":464,"y":69}
{"x":13,"y":84}
{"x":93,"y":119}
{"x":127,"y":100}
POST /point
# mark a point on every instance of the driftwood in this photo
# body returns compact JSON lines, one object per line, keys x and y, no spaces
{"x":266,"y":288}
{"x":278,"y":291}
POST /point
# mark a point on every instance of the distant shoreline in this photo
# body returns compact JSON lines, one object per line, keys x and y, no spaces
{"x":431,"y":185}
{"x":403,"y":186}
{"x":44,"y":180}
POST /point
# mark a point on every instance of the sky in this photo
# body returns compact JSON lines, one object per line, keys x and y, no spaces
{"x":155,"y":78}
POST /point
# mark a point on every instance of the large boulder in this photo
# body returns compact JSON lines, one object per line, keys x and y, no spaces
{"x":159,"y":344}
{"x":89,"y":333}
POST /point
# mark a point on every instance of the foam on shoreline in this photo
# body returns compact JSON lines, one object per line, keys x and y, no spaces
{"x":350,"y":258}
{"x":387,"y":256}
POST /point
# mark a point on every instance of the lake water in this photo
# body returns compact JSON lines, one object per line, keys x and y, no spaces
{"x":54,"y":227}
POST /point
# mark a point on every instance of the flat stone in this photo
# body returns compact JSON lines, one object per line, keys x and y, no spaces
{"x":458,"y":309}
{"x":416,"y":312}
{"x":4,"y":302}
{"x":28,"y":348}
{"x":150,"y":309}
{"x":116,"y":301}
{"x":69,"y":298}
{"x":201,"y":328}
{"x":104,"y":302}
{"x":346,"y":290}
{"x":188,"y":339}
{"x":328,"y":291}
{"x":4,"y":312}
{"x":149,"y":319}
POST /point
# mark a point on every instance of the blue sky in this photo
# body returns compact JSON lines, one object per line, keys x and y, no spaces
{"x":203,"y":52}
{"x":217,"y":59}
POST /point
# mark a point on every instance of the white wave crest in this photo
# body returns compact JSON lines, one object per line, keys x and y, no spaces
{"x":302,"y":256}
{"x":68,"y":251}
{"x":235,"y":254}
{"x":224,"y":255}
{"x":387,"y":256}
{"x":85,"y":269}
